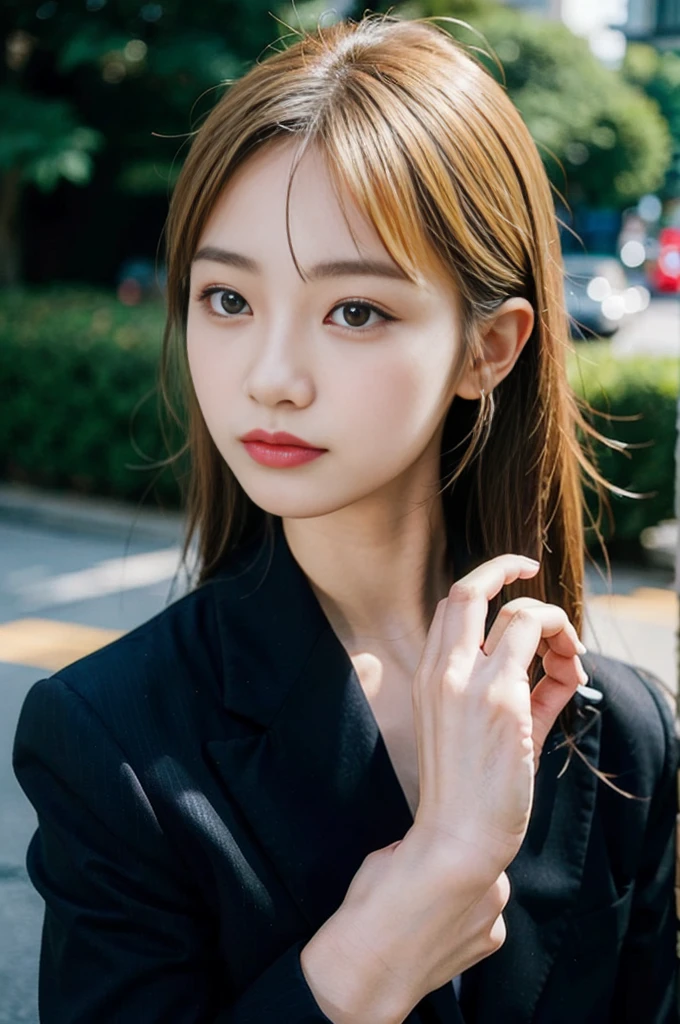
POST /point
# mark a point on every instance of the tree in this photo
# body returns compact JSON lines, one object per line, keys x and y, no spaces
{"x":592,"y":126}
{"x":42,"y":141}
{"x":93,"y":82}
{"x":658,"y":75}
{"x":104,"y":94}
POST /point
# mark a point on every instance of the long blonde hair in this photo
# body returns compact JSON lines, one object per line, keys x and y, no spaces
{"x":434,"y":153}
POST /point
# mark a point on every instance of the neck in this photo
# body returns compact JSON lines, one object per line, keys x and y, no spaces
{"x":378,"y":579}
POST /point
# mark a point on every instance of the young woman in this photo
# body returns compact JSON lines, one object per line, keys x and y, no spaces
{"x":352,"y":765}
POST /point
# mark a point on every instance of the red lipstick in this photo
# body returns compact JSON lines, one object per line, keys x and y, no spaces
{"x":279,"y":449}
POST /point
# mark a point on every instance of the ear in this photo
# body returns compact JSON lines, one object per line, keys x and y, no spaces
{"x":503,"y":339}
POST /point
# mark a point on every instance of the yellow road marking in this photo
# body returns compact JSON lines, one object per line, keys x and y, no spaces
{"x":46,"y":644}
{"x":646,"y":604}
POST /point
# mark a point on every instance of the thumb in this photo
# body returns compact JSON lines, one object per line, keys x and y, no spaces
{"x":548,"y":698}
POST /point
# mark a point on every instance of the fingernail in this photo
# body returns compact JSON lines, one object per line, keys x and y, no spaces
{"x":590,"y":694}
{"x":581,"y":648}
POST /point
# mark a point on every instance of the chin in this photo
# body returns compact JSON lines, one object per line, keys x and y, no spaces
{"x":302,"y":492}
{"x":291,"y":501}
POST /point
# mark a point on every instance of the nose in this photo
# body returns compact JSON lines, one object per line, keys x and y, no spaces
{"x":279,"y":371}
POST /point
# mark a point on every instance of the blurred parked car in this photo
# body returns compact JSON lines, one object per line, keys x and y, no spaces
{"x":664,"y":270}
{"x":598,"y":297}
{"x":139,"y":278}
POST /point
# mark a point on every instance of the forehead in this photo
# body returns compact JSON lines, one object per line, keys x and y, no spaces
{"x":325,"y":222}
{"x":253,"y":205}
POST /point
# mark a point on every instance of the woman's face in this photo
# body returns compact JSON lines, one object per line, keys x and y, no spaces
{"x":356,"y":360}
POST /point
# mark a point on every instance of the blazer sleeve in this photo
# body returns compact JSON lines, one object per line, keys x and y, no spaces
{"x":124,"y":940}
{"x":647,"y":976}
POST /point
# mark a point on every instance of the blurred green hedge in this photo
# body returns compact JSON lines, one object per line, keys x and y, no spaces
{"x":80,"y":411}
{"x":645,"y":389}
{"x":79,"y":408}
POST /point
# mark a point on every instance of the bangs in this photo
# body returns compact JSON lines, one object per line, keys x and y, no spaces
{"x":417,"y":180}
{"x":366,"y":161}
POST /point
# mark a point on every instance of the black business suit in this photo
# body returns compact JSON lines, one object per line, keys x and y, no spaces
{"x":208,"y":785}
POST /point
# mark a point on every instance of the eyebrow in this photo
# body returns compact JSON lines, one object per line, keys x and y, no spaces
{"x":332,"y":268}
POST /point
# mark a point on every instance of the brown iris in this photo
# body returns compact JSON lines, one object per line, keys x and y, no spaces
{"x":357,"y":316}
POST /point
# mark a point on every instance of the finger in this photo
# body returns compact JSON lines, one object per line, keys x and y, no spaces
{"x":433,"y":643}
{"x":502,"y":620}
{"x":551,"y":695}
{"x":564,"y":668}
{"x":529,"y":624}
{"x":468,"y":603}
{"x":566,"y":642}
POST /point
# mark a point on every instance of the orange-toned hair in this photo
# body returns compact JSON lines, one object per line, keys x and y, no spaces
{"x":434,"y":153}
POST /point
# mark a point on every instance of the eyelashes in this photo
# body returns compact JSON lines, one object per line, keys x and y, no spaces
{"x":206,"y":294}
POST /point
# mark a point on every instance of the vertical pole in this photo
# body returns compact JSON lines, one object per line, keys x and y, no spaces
{"x":676,"y":583}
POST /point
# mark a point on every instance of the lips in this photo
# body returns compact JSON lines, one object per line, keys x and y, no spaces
{"x":282,"y":453}
{"x":279,"y":437}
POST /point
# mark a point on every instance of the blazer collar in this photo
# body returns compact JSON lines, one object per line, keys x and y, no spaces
{"x":311,"y":773}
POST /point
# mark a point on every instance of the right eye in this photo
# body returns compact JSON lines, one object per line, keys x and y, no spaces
{"x":223,"y":303}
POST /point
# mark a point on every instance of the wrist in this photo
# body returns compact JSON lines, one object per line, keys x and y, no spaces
{"x":348,"y":981}
{"x":464,"y":862}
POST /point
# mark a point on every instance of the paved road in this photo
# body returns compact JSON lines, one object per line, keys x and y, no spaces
{"x":655,"y":331}
{"x":66,"y":590}
{"x":36,"y":635}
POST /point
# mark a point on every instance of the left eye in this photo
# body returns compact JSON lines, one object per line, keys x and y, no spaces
{"x":227,"y":304}
{"x":226,"y":300}
{"x":357,"y":315}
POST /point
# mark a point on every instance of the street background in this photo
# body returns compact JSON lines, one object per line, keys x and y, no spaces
{"x":97,"y":104}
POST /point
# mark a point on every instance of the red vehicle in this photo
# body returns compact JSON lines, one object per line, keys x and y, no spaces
{"x":665,"y":272}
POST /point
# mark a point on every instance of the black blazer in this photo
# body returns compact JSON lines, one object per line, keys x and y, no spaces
{"x":208,"y":785}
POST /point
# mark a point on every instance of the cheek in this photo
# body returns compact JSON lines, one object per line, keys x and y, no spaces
{"x":209,"y":373}
{"x":197,"y":356}
{"x":401,"y":398}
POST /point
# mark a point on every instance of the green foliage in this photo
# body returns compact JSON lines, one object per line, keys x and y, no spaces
{"x":78,"y":376}
{"x":133,"y":73}
{"x":146,"y":177}
{"x":645,"y":389}
{"x":114,"y":91}
{"x":131,"y":79}
{"x":42,"y":137}
{"x":89,"y":43}
{"x":128,"y":75}
{"x":658,"y":74}
{"x":78,"y":371}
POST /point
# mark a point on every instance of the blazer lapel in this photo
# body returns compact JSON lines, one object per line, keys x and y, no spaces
{"x":308,"y":768}
{"x":310,"y":771}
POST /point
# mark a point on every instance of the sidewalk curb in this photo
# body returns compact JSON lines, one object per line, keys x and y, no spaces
{"x":75,"y":512}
